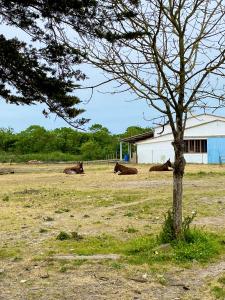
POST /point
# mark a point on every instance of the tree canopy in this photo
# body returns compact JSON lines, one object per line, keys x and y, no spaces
{"x":61,"y":143}
{"x":39,"y":68}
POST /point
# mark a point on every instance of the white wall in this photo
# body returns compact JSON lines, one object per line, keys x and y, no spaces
{"x":161,"y":152}
{"x":159,"y":148}
{"x":196,"y":158}
{"x":155,"y":152}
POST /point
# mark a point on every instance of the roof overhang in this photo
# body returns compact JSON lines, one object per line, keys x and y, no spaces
{"x":135,"y":138}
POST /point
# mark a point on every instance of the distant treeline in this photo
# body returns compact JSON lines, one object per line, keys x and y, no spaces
{"x":62,"y":144}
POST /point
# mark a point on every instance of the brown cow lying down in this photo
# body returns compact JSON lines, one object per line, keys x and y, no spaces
{"x":123,"y":170}
{"x":163,"y":167}
{"x":78,"y":169}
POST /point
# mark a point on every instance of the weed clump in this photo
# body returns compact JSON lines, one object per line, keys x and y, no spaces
{"x":129,"y":214}
{"x":167,"y":234}
{"x":130,"y":230}
{"x":43,"y":230}
{"x":116,"y":266}
{"x":63,"y":236}
{"x":48,"y":219}
{"x":66,"y":236}
{"x":63,"y":269}
{"x":5,"y":198}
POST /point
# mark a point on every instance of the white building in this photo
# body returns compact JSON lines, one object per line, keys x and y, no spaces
{"x":204,"y":142}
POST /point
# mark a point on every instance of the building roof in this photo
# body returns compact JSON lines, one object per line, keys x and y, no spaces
{"x":197,"y":116}
{"x":150,"y":134}
{"x":138,"y":137}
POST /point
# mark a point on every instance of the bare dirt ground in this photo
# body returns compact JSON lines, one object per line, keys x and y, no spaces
{"x":39,"y":201}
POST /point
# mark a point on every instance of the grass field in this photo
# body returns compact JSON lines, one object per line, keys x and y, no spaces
{"x":103,"y":213}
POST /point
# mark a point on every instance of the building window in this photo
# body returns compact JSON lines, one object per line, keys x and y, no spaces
{"x":195,"y":146}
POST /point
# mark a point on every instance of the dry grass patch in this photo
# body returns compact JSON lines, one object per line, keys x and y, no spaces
{"x":115,"y":214}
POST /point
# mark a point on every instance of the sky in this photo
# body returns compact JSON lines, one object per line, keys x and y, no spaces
{"x":112,"y":111}
{"x":116,"y":112}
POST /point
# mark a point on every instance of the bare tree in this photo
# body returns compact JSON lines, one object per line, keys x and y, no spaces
{"x":170,"y":53}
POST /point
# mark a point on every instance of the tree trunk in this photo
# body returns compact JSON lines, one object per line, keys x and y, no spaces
{"x":178,"y":172}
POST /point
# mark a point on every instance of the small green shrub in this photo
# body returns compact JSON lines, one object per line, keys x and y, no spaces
{"x":48,"y":219}
{"x":222,"y":280}
{"x":43,"y":230}
{"x":27,"y":206}
{"x":66,"y":236}
{"x":5,"y":198}
{"x":63,"y":269}
{"x":186,"y":233}
{"x":130,"y":230}
{"x":116,"y":265}
{"x":63,"y":236}
{"x":167,"y":235}
{"x":129,"y":214}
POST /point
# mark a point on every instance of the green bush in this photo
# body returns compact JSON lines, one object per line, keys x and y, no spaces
{"x":63,"y":236}
{"x":167,"y":235}
{"x":91,"y":150}
{"x":130,"y":229}
{"x":5,"y":198}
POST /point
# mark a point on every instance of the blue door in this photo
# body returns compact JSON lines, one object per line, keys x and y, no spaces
{"x":216,"y":149}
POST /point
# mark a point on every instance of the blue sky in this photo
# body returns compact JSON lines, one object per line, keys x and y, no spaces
{"x":116,"y":112}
